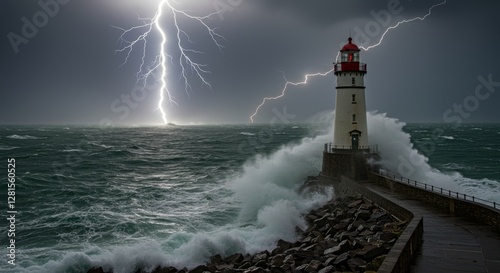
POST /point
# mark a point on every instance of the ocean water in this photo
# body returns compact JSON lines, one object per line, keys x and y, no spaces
{"x":138,"y":197}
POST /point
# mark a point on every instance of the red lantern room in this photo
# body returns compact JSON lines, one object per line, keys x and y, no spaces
{"x":349,"y":59}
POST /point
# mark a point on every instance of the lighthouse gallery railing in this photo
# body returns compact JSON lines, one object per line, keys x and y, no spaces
{"x":330,"y":148}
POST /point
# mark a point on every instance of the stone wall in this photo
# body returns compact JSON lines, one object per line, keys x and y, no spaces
{"x":335,"y":165}
{"x":345,"y":162}
{"x":478,"y":212}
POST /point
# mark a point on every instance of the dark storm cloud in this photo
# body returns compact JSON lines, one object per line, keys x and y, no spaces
{"x":69,"y":72}
{"x":327,"y":12}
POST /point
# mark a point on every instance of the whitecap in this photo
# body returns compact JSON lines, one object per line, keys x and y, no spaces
{"x":5,"y":148}
{"x":456,"y":166}
{"x":100,"y":145}
{"x":247,"y":134}
{"x":72,"y":150}
{"x":22,"y":137}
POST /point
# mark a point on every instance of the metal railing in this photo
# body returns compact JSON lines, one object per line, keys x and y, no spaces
{"x":330,"y":148}
{"x":432,"y":188}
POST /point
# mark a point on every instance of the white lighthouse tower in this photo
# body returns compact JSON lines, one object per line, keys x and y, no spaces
{"x":349,"y":153}
{"x":350,"y":109}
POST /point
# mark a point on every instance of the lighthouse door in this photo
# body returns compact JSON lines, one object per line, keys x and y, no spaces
{"x":354,"y":141}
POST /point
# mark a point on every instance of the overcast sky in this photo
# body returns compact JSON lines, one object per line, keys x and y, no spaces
{"x":66,"y":71}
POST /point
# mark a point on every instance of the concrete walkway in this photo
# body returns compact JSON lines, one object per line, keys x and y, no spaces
{"x":450,"y":243}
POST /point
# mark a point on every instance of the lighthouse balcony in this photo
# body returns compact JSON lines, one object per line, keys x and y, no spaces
{"x":337,"y":149}
{"x":350,"y":67}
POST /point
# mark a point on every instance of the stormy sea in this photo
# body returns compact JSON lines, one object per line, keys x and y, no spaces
{"x":137,"y":197}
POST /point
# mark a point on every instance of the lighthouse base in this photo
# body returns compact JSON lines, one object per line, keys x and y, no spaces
{"x":352,"y":163}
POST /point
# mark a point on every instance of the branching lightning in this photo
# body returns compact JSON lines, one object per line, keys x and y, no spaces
{"x":186,"y":63}
{"x":307,"y":76}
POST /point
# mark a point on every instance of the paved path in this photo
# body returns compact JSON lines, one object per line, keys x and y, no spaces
{"x":450,"y":243}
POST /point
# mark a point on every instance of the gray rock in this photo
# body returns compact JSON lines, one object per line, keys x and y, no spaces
{"x":371,"y":251}
{"x":321,"y":221}
{"x":221,"y":267}
{"x":327,"y":269}
{"x":311,"y":247}
{"x":316,"y":233}
{"x":255,"y":270}
{"x":340,"y":226}
{"x":284,"y":244}
{"x":277,"y":251}
{"x":387,"y":236}
{"x":324,"y":228}
{"x":363,"y":214}
{"x":159,"y":269}
{"x":341,"y":259}
{"x":311,"y":217}
{"x":286,"y":268}
{"x":216,"y":259}
{"x":375,"y":228}
{"x":261,"y":264}
{"x":245,"y":265}
{"x":262,"y":256}
{"x":314,"y":265}
{"x":366,"y":206}
{"x":356,"y":264}
{"x":330,"y":260}
{"x":307,"y":239}
{"x":199,"y":269}
{"x":289,"y":259}
{"x":341,"y":248}
{"x":351,"y":212}
{"x":277,"y":260}
{"x":305,"y":254}
{"x":384,"y":220}
{"x":340,"y":215}
{"x":358,"y":244}
{"x":301,"y":267}
{"x":291,"y":251}
{"x":377,"y":215}
{"x":234,"y":259}
{"x":347,"y":235}
{"x":355,"y":203}
{"x":96,"y":270}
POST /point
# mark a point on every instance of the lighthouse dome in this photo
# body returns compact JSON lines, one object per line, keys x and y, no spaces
{"x":350,"y":46}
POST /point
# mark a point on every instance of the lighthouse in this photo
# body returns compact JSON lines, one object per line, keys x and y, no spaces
{"x":350,"y":151}
{"x":350,"y":126}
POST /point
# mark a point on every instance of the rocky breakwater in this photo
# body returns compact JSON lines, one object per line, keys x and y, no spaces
{"x":347,"y":234}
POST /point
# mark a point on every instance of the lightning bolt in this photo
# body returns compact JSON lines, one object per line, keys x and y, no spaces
{"x":188,"y":65}
{"x":307,"y":76}
{"x":283,"y":91}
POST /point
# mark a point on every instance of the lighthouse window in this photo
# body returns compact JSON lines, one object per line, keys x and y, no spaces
{"x":356,"y":57}
{"x":353,"y":99}
{"x":353,"y":118}
{"x":344,"y":57}
{"x":353,"y":80}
